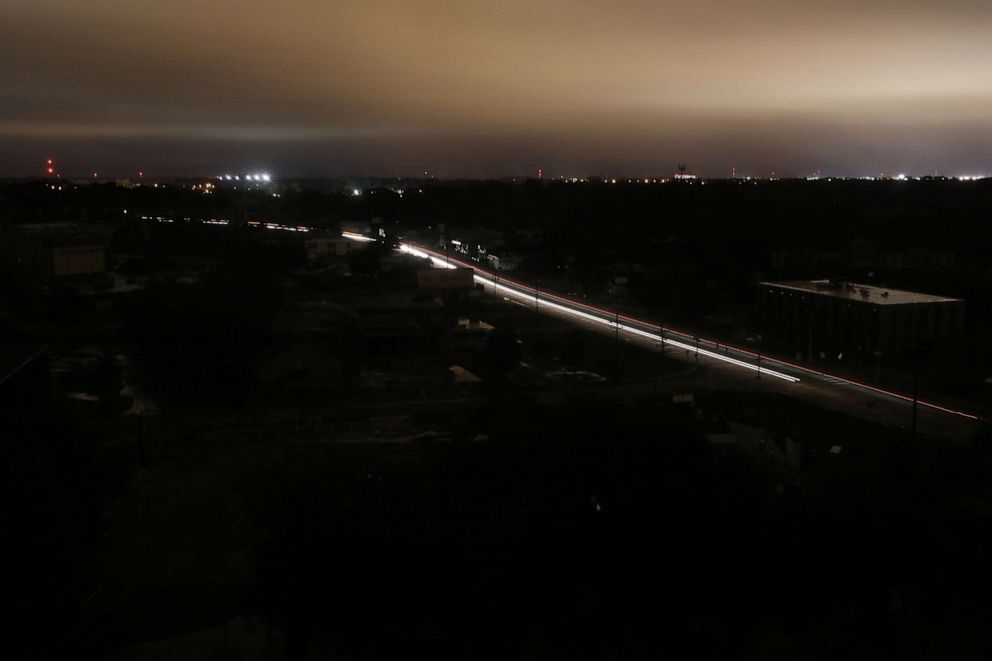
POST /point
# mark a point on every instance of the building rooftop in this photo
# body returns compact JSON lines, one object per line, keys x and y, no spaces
{"x":854,"y":291}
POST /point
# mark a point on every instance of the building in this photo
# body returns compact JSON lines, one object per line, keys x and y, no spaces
{"x":327,"y":244}
{"x":55,"y":249}
{"x":475,"y":242}
{"x":78,"y":259}
{"x":834,"y":318}
{"x":503,"y":263}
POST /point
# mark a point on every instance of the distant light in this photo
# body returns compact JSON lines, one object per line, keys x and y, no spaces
{"x":51,"y":170}
{"x":355,"y":192}
{"x":266,"y":178}
{"x":227,"y":176}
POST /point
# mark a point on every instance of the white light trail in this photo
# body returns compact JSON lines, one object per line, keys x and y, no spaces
{"x":355,"y":236}
{"x":832,"y":378}
{"x":612,"y":324}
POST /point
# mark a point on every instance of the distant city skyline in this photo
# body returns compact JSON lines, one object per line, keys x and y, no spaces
{"x":479,"y":89}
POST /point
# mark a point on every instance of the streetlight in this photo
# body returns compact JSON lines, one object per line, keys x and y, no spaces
{"x":616,"y":328}
{"x":916,"y":353}
{"x":661,"y":332}
{"x":757,"y":344}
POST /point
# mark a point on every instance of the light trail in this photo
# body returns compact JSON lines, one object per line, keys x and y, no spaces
{"x":535,"y":297}
{"x":567,"y":305}
{"x":355,"y":236}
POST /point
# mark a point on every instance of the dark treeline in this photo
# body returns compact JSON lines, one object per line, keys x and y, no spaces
{"x":729,"y":229}
{"x":728,"y":232}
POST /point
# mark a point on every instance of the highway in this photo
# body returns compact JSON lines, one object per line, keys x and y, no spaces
{"x":802,"y":378}
{"x":828,"y":389}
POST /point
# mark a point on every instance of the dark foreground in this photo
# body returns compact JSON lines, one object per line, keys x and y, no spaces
{"x":585,"y":529}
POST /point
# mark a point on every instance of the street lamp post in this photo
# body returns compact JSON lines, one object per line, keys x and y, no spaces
{"x":661,"y":332}
{"x":757,"y":344}
{"x":616,"y":331}
{"x":616,"y":341}
{"x":916,"y":392}
{"x":916,"y":354}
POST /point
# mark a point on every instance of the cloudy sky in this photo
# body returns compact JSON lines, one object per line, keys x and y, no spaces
{"x":466,"y":88}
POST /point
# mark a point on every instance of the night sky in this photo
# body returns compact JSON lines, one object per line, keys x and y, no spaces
{"x":464,"y":88}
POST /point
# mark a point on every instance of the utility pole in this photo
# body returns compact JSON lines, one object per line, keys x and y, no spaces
{"x":916,"y":392}
{"x":916,"y":354}
{"x":757,"y":345}
{"x":661,"y":331}
{"x":616,"y":341}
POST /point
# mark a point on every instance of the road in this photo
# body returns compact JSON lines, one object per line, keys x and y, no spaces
{"x":727,"y":365}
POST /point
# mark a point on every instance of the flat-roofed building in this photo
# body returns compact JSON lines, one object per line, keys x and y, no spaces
{"x":837,"y":317}
{"x":78,"y":259}
{"x":327,"y":244}
{"x":55,"y":249}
